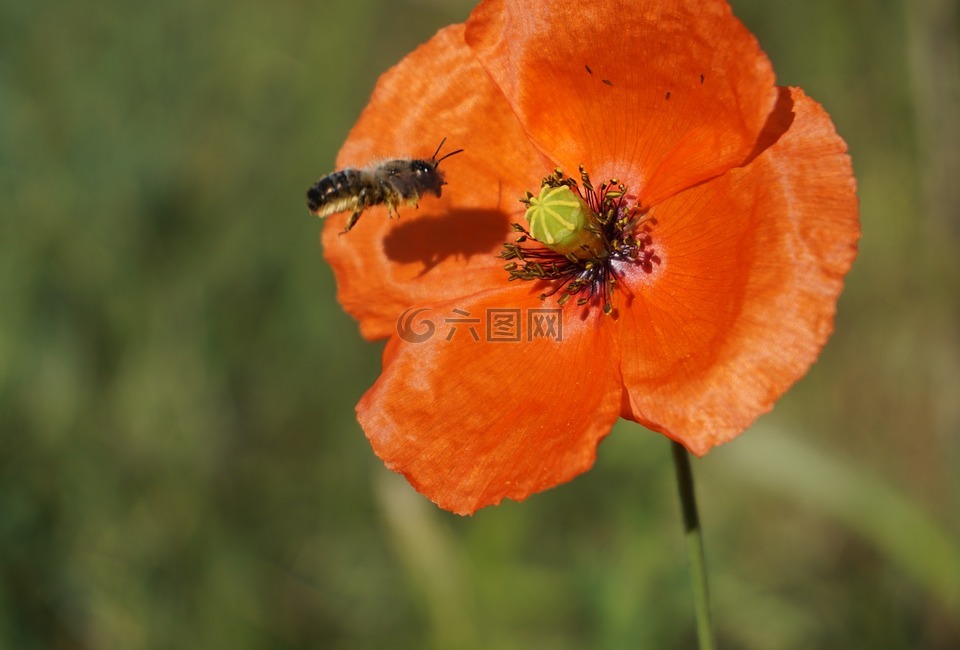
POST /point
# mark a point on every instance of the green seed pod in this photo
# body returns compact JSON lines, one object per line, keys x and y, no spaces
{"x":563,"y":222}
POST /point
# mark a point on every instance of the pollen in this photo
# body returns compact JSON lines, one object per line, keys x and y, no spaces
{"x":581,"y":239}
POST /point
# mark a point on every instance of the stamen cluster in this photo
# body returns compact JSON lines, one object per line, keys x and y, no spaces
{"x":592,"y":273}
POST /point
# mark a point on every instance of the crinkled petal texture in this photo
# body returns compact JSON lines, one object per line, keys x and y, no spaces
{"x":660,"y":94}
{"x":744,"y":299}
{"x":470,"y":422}
{"x":755,"y":226}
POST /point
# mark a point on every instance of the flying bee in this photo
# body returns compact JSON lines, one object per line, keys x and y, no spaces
{"x":391,"y":183}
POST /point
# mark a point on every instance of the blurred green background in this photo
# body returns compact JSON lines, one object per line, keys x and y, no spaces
{"x":179,"y":461}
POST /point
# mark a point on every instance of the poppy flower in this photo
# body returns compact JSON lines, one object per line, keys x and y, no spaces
{"x":723,"y":214}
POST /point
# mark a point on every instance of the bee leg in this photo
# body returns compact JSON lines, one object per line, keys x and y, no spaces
{"x":352,"y":221}
{"x":357,"y":211}
{"x":392,"y":210}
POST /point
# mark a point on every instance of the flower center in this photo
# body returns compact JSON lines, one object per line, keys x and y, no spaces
{"x":579,"y":240}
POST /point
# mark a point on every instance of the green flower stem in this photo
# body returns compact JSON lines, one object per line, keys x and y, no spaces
{"x":694,"y":535}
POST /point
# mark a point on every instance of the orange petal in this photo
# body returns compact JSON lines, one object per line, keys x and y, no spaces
{"x":470,"y":423}
{"x":744,"y":298}
{"x":447,"y":247}
{"x":661,"y":95}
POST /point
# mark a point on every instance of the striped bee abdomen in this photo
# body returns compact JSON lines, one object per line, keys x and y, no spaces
{"x":338,"y":191}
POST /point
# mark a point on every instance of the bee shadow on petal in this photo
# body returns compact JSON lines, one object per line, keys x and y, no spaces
{"x":462,"y":234}
{"x":778,"y":123}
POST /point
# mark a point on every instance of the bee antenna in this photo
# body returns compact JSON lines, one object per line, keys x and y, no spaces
{"x":436,"y":160}
{"x":452,"y":153}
